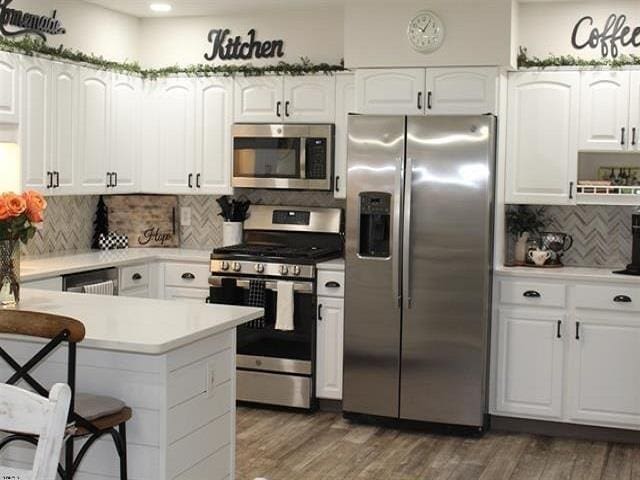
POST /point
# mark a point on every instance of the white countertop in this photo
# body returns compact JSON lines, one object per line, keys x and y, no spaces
{"x":138,"y":325}
{"x":36,"y":268}
{"x":570,"y":273}
{"x":335,"y":264}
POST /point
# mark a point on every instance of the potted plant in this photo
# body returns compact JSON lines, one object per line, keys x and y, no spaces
{"x":20,"y":217}
{"x":523,"y":221}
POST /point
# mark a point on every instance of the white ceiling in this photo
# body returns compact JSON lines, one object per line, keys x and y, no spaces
{"x":185,"y":8}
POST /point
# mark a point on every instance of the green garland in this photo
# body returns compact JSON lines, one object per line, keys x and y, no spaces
{"x":524,"y":61}
{"x":30,"y":46}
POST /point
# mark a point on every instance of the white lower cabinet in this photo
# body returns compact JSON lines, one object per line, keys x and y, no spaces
{"x":579,"y":364}
{"x":530,"y":362}
{"x":329,"y":348}
{"x":196,"y":295}
{"x":604,"y":369}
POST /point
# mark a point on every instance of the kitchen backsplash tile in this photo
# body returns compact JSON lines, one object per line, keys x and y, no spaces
{"x":601,"y":234}
{"x":68,"y":226}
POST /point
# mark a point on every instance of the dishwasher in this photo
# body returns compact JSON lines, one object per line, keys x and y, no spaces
{"x":76,"y":282}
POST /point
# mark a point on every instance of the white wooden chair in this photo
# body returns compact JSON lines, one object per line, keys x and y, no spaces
{"x":29,"y":413}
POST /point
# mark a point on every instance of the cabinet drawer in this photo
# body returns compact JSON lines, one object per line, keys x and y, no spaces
{"x":531,"y":293}
{"x":134,"y":277}
{"x":331,"y":284}
{"x":609,"y":297}
{"x":187,"y":275}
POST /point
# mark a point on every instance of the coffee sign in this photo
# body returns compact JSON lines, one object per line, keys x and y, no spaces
{"x":614,"y":33}
{"x":27,"y":23}
{"x":225,"y":47}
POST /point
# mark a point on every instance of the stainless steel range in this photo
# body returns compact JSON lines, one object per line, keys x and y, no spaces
{"x":282,"y":245}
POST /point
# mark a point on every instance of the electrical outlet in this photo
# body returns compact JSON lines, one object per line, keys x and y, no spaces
{"x":211,"y":379}
{"x":185,"y":216}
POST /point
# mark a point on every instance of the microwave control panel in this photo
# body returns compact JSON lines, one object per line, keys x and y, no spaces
{"x":316,"y":158}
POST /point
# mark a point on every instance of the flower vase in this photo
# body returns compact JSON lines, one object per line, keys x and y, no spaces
{"x":9,"y":272}
{"x":520,"y":251}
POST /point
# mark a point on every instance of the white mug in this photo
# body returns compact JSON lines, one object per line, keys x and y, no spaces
{"x":539,"y":257}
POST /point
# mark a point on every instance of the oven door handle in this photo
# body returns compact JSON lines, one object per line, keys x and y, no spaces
{"x":301,"y":287}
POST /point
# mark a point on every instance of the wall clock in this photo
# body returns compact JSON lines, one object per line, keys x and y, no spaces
{"x":425,"y":32}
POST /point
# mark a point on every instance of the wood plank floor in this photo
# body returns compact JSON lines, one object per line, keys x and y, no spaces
{"x":323,"y":446}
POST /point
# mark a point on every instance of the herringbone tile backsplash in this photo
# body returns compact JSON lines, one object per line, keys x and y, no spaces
{"x":601,"y":234}
{"x":68,"y":226}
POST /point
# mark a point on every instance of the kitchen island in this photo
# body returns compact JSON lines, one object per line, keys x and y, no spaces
{"x":173,"y":363}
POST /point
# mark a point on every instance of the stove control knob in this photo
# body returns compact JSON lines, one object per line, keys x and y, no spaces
{"x":284,"y":270}
{"x":236,"y":267}
{"x":296,"y":270}
{"x":224,"y":266}
{"x":259,"y":268}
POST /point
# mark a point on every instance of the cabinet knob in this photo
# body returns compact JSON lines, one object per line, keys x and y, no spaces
{"x":531,"y":294}
{"x":332,"y":285}
{"x":622,"y":299}
{"x":188,"y":276}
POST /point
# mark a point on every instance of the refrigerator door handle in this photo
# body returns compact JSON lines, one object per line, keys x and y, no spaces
{"x":396,"y":236}
{"x":406,"y":235}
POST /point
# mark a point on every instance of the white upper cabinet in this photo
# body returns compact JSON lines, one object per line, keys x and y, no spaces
{"x":345,"y":104}
{"x":259,"y":99}
{"x":634,"y":111}
{"x":391,"y":91}
{"x":330,"y":339}
{"x":35,"y":135}
{"x":125,"y":157}
{"x":530,"y":363}
{"x":9,"y":87}
{"x":467,"y":91}
{"x":176,"y":153}
{"x":542,"y":137}
{"x":214,"y":118}
{"x":310,"y":98}
{"x":604,"y":369}
{"x":93,"y":130}
{"x":64,"y":111}
{"x":604,"y":110}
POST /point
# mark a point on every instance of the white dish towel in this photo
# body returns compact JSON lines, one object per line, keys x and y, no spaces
{"x":284,"y":317}
{"x":103,"y":288}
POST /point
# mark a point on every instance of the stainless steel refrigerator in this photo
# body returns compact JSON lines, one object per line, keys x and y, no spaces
{"x":419,"y":239}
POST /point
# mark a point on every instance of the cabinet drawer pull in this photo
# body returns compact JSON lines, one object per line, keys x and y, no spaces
{"x":429,"y":96}
{"x":136,"y":276}
{"x":278,"y":105}
{"x":622,"y":135}
{"x":622,"y":299}
{"x":559,"y":329}
{"x":190,"y":180}
{"x":332,"y":284}
{"x":577,"y":330}
{"x":531,"y":294}
{"x":633,"y":136}
{"x":419,"y":100}
{"x":57,"y":175}
{"x":115,"y":179}
{"x":198,"y":181}
{"x":286,"y":108}
{"x":320,"y":312}
{"x":337,"y":183}
{"x":188,"y":276}
{"x":571,"y":184}
{"x":49,"y":179}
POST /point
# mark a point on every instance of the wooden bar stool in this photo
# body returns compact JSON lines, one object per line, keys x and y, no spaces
{"x":90,"y":416}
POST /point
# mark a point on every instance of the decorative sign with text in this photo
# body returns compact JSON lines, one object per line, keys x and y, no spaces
{"x":614,"y":33}
{"x":226,"y":47}
{"x":27,"y":23}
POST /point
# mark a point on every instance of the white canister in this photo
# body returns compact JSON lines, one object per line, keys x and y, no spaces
{"x":231,"y":233}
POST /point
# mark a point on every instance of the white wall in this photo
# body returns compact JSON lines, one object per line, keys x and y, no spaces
{"x":546,"y":28}
{"x":316,"y":33}
{"x":90,"y":28}
{"x":478,"y":32}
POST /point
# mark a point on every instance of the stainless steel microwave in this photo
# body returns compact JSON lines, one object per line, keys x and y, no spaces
{"x":296,"y":157}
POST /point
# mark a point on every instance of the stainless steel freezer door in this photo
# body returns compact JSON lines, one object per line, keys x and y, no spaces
{"x":372,"y":287}
{"x":447,"y":263}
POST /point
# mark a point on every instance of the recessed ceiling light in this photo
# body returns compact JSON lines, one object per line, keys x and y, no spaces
{"x":160,"y":7}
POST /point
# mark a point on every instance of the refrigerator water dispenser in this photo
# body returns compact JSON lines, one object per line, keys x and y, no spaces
{"x":375,"y":224}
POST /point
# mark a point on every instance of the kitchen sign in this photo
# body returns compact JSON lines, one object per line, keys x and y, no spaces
{"x":614,"y":33}
{"x":225,"y":47}
{"x":27,"y":23}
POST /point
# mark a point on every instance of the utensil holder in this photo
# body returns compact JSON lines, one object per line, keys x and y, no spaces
{"x":231,"y":233}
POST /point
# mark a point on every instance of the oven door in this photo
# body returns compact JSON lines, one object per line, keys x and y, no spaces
{"x":283,"y":156}
{"x":274,"y":367}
